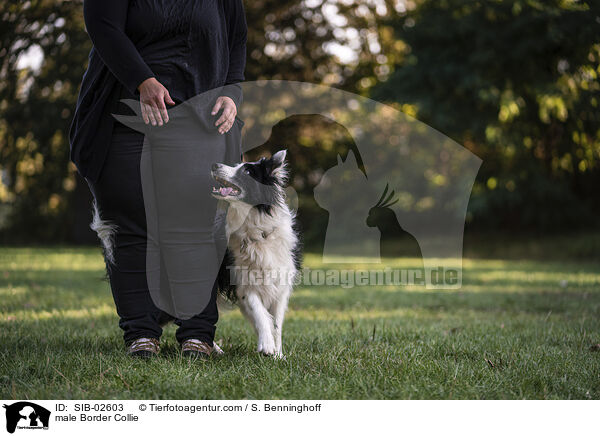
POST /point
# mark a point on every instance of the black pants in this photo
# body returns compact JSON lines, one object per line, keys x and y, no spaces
{"x":118,"y":193}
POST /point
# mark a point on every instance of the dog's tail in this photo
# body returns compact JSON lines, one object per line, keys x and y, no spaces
{"x":105,"y":231}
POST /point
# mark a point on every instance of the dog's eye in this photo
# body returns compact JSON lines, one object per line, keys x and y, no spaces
{"x":246,"y":171}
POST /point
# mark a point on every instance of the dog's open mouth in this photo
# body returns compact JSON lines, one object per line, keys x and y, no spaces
{"x":225,"y":188}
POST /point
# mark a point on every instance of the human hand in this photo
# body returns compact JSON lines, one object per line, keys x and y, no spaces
{"x":153,"y":96}
{"x":227,"y":118}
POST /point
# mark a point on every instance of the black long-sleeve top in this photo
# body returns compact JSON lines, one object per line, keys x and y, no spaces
{"x":190,"y":46}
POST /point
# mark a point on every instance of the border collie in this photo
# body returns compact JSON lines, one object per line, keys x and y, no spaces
{"x":263,"y":249}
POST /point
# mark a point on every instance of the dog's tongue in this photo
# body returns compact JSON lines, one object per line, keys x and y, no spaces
{"x":225,"y":191}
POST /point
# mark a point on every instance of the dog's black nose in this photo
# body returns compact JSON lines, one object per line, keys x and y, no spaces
{"x":215,"y":167}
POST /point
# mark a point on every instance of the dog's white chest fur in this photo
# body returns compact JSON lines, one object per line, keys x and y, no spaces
{"x":262,"y":246}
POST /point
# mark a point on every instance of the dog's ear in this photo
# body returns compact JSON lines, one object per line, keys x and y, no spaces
{"x":277,"y":167}
{"x":279,"y":158}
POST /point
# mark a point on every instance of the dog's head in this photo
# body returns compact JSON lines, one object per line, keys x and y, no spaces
{"x":258,"y":183}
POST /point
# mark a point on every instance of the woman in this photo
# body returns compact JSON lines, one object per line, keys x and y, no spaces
{"x":162,"y":53}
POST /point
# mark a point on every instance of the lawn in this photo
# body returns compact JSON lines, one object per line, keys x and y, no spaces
{"x":516,"y":329}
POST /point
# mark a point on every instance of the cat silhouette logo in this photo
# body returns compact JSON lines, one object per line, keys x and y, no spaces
{"x":26,"y":415}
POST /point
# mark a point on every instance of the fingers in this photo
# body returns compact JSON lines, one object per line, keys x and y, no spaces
{"x":162,"y":109}
{"x":217,"y":106}
{"x":148,"y":114}
{"x":145,"y":115}
{"x":154,"y":110}
{"x":227,"y":118}
{"x":226,"y":126}
{"x":155,"y":113}
{"x":168,"y":98}
{"x":226,"y":115}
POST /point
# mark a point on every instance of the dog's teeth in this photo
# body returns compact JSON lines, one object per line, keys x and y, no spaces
{"x":225,"y":191}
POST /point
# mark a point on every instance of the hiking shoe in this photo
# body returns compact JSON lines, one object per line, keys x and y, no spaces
{"x":196,"y":349}
{"x":144,"y":347}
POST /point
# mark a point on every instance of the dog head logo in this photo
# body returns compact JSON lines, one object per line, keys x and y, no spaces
{"x":428,"y":172}
{"x":26,"y":415}
{"x":344,"y":192}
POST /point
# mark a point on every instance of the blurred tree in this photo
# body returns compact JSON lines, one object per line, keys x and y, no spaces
{"x":43,"y":55}
{"x":516,"y":82}
{"x":316,"y":41}
{"x":42,"y":52}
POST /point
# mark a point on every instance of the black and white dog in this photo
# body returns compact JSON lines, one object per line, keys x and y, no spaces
{"x":263,"y":254}
{"x":263,"y":248}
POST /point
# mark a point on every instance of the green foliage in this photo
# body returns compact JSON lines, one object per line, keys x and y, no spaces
{"x":516,"y":82}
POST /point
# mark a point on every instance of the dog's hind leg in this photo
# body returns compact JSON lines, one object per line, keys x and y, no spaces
{"x":262,"y":320}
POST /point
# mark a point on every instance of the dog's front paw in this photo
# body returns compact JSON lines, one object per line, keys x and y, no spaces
{"x":279,"y":356}
{"x":266,"y":346}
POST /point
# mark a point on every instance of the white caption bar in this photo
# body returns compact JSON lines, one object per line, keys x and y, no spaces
{"x":153,"y":417}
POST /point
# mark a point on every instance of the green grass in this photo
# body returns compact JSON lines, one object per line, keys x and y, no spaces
{"x":512,"y":331}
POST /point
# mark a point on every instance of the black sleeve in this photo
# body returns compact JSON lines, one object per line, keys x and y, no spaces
{"x":237,"y":35}
{"x":105,"y":23}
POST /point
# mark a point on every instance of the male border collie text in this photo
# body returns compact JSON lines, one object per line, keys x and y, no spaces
{"x":262,"y":259}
